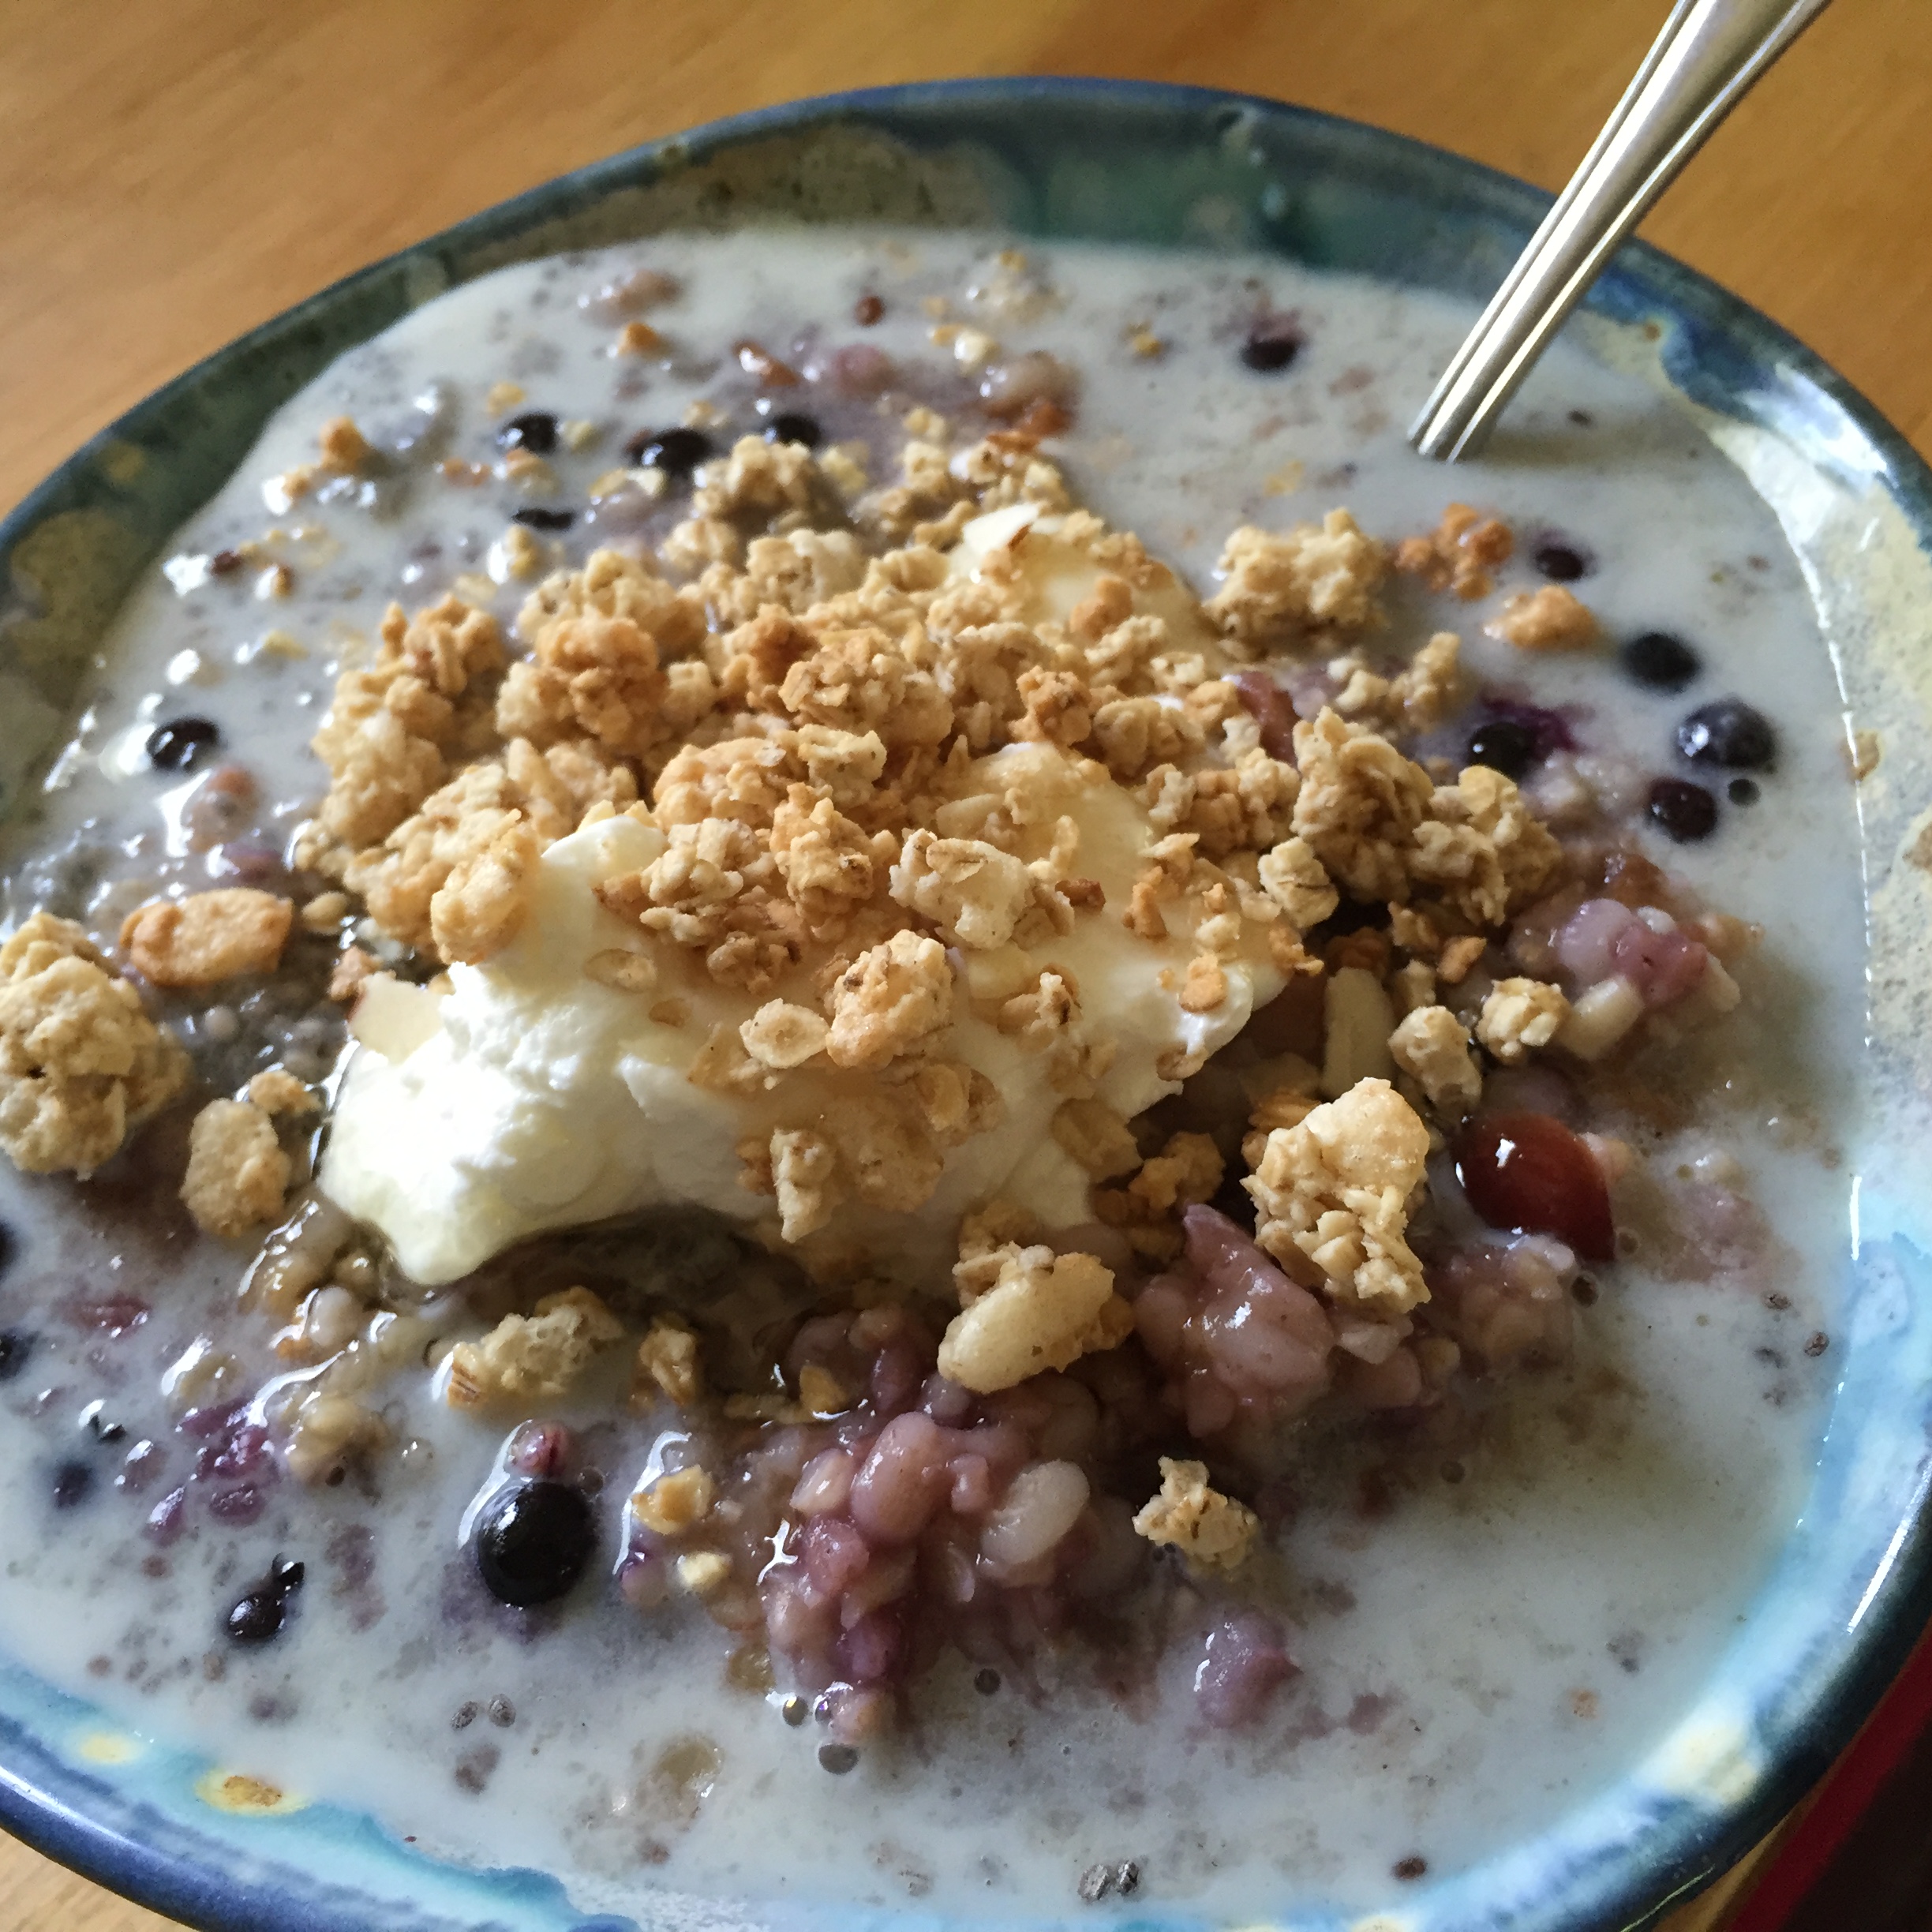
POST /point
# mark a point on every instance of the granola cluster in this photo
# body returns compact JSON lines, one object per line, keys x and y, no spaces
{"x":81,"y":1064}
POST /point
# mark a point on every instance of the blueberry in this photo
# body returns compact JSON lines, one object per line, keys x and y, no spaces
{"x":792,"y":426}
{"x":261,"y":1610}
{"x":73,"y":1482}
{"x":1271,"y":345}
{"x":1686,"y":811}
{"x":1742,"y":791}
{"x":536,"y":517}
{"x":837,"y":1758}
{"x":532,"y":1542}
{"x":1561,"y":563}
{"x":16,"y":1346}
{"x":1728,"y":731}
{"x":535,"y":432}
{"x":1504,"y":745}
{"x":676,"y":452}
{"x":1661,"y":661}
{"x":176,"y":745}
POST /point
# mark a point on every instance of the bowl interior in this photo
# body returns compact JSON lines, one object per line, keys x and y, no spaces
{"x":1158,"y":165}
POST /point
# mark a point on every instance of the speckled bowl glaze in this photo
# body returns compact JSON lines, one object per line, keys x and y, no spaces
{"x":1153,"y":165}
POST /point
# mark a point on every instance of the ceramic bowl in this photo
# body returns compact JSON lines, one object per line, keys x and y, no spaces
{"x":1161,"y":166}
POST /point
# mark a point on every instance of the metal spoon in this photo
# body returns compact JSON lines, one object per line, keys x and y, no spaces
{"x":1701,"y":66}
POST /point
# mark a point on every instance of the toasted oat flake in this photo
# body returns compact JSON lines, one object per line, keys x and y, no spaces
{"x":1212,"y":1531}
{"x":208,"y":936}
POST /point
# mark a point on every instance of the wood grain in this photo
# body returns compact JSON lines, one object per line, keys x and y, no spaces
{"x":177,"y":170}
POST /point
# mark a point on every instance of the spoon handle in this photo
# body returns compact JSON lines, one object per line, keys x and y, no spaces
{"x":1707,"y":58}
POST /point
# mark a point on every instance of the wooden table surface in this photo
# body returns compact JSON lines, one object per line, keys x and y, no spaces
{"x":177,"y":170}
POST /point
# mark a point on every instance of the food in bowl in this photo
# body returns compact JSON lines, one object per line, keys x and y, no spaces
{"x":841,"y":1061}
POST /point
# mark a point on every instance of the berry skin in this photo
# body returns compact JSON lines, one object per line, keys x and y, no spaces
{"x":676,"y":452}
{"x":1504,"y":746}
{"x":176,"y":745}
{"x":536,"y":432}
{"x":1660,"y":662}
{"x":1686,"y":811}
{"x":794,"y":427}
{"x":532,"y":1542}
{"x":1729,"y":732}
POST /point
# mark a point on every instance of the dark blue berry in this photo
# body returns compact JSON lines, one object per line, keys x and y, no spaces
{"x":1742,"y":791}
{"x":533,"y":1541}
{"x":538,"y":518}
{"x":16,"y":1346}
{"x":1504,"y":745}
{"x":1686,"y":811}
{"x":176,"y":745}
{"x":1661,"y":661}
{"x":1272,"y":345}
{"x":73,"y":1482}
{"x":261,"y":1610}
{"x":837,"y":1758}
{"x":1561,"y":563}
{"x":536,"y":432}
{"x":676,"y":452}
{"x":793,"y":427}
{"x":1728,"y":731}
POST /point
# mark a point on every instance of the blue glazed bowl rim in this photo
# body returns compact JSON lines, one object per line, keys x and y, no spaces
{"x":1702,"y":1844}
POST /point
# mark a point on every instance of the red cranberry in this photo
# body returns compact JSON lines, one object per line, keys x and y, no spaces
{"x":1530,"y":1172}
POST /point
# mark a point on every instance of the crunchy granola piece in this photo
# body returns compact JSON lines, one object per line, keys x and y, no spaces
{"x":1097,"y":1139}
{"x":352,"y":967}
{"x":889,"y":999}
{"x":743,"y":778}
{"x":1431,"y":1046}
{"x":1212,"y":1531}
{"x":1459,"y":553}
{"x":1550,"y":618}
{"x":236,"y":1172}
{"x":1132,"y":734}
{"x":1481,"y":850}
{"x":1431,"y":687}
{"x":1205,"y":987}
{"x":1186,"y":1170}
{"x":985,"y":1238}
{"x":1044,"y":1311}
{"x":782,"y":1035}
{"x":1361,"y":801}
{"x":758,"y":477}
{"x":1279,"y":586}
{"x":829,"y":866}
{"x":1458,"y":957}
{"x":974,"y":892}
{"x":345,"y":449}
{"x":1294,"y":878}
{"x":390,"y":727}
{"x":677,"y":1501}
{"x":276,"y":1090}
{"x":956,"y":1101}
{"x":803,"y":1167}
{"x":886,"y":1153}
{"x":533,"y":1357}
{"x":861,"y":680}
{"x":399,"y":879}
{"x":1057,"y":707}
{"x":1519,"y":1014}
{"x":81,"y":1064}
{"x":622,"y":970}
{"x":208,"y":936}
{"x":1247,"y":807}
{"x":667,"y":1362}
{"x":481,"y":906}
{"x":593,"y":675}
{"x":1335,"y":1189}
